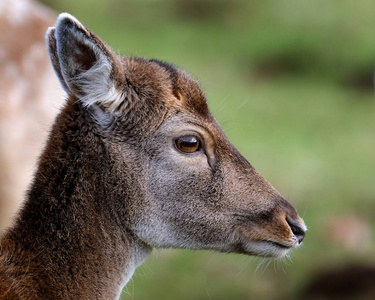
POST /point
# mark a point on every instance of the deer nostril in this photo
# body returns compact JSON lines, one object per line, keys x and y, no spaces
{"x":297,"y":229}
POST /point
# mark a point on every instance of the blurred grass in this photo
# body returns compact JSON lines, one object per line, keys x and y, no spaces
{"x":291,"y":82}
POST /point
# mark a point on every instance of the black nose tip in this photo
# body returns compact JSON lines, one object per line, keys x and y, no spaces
{"x":297,"y":229}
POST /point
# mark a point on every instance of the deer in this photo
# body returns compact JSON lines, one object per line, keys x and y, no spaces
{"x":28,"y":103}
{"x":134,"y":161}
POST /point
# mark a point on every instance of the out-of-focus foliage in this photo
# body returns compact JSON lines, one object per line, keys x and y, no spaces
{"x":291,"y":82}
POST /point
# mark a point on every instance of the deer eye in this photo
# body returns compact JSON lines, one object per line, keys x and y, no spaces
{"x":188,"y":143}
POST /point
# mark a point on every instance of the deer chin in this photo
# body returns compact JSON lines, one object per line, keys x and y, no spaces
{"x":267,"y":248}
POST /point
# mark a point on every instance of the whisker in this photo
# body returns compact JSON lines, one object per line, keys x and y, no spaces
{"x":304,"y":213}
{"x":206,"y":288}
{"x":246,"y":262}
{"x":260,"y":264}
{"x":242,"y":104}
{"x":269,"y":262}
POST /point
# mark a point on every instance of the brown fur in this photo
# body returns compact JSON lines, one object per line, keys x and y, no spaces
{"x":105,"y":195}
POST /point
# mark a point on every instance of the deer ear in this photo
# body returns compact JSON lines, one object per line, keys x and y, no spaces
{"x":85,"y":65}
{"x":52,"y":50}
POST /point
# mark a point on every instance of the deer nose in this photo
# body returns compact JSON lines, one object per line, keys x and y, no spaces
{"x":298,"y":229}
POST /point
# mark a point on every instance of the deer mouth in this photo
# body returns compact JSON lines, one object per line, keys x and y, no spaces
{"x":254,"y":245}
{"x":278,"y":245}
{"x":271,"y":239}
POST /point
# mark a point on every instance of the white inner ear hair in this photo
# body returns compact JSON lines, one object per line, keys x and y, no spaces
{"x":96,"y":85}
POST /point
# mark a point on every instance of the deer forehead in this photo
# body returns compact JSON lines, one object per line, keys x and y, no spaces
{"x":165,"y":83}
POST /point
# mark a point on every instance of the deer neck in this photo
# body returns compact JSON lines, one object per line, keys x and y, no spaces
{"x":67,"y":225}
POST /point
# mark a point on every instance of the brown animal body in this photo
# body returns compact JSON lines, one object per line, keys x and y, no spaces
{"x":30,"y":97}
{"x":134,"y":161}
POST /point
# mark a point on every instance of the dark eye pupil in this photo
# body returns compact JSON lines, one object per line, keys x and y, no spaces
{"x":188,"y":143}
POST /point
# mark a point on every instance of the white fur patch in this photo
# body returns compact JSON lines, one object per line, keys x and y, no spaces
{"x":64,"y":16}
{"x":138,"y":256}
{"x":267,"y":249}
{"x":96,"y":85}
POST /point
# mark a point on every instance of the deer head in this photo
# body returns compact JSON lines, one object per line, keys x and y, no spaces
{"x":174,"y":179}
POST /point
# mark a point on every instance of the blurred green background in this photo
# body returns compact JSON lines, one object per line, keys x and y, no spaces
{"x":292,"y":84}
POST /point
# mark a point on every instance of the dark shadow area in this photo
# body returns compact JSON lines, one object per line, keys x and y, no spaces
{"x":348,"y":282}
